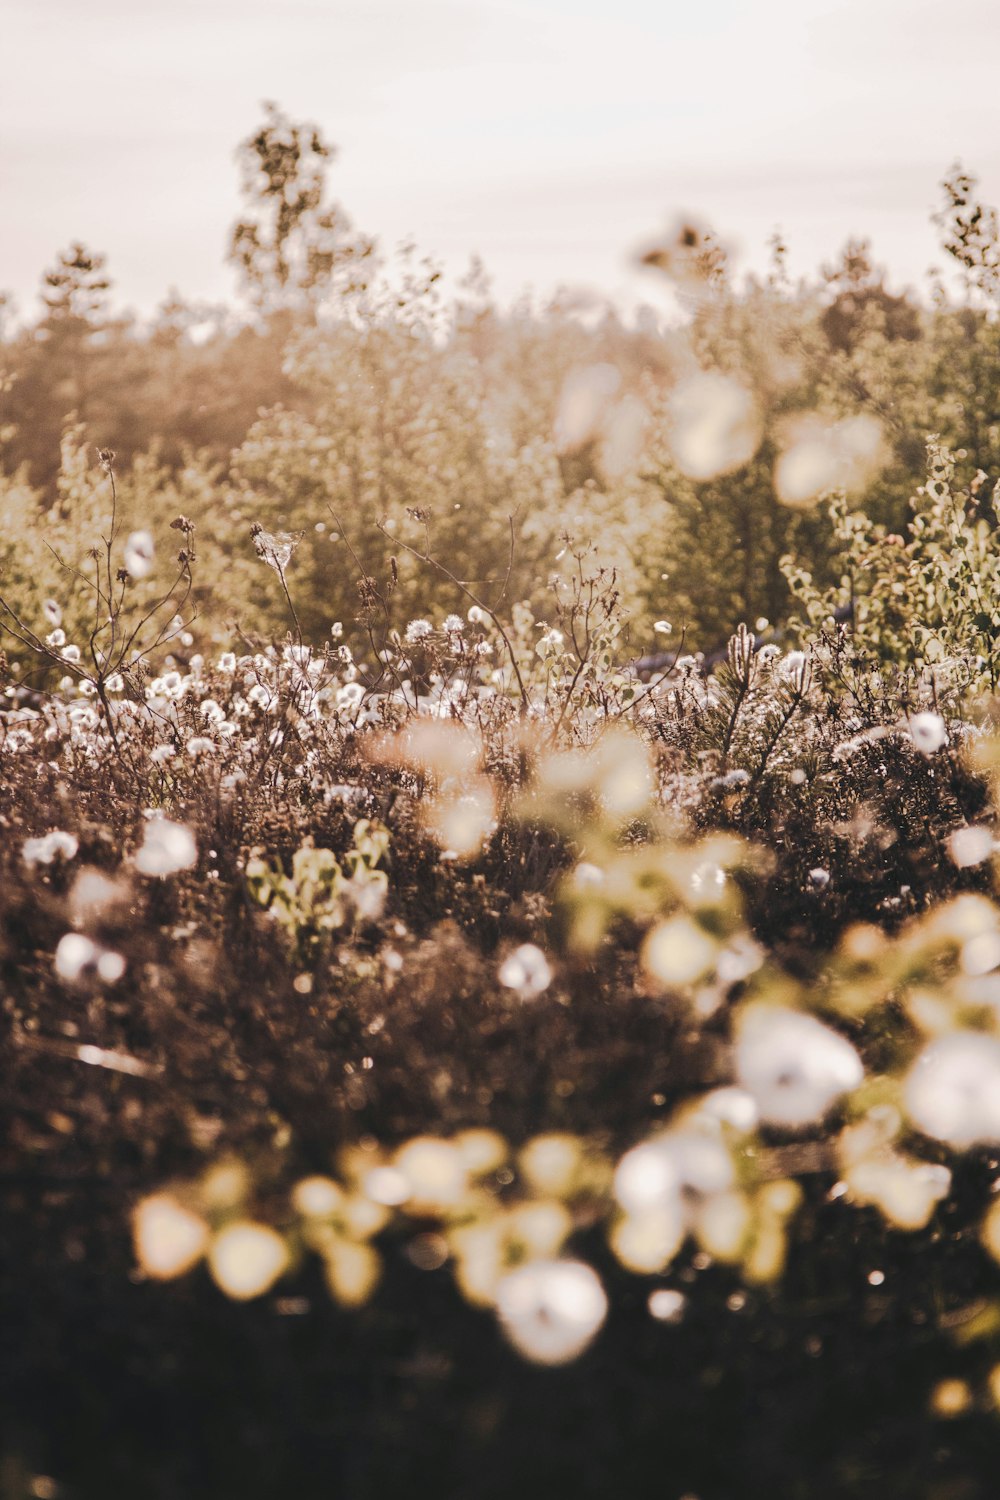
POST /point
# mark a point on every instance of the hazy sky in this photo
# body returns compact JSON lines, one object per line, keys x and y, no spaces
{"x":548,"y":135}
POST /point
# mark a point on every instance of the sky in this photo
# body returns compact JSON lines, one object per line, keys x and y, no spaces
{"x":550,"y":137}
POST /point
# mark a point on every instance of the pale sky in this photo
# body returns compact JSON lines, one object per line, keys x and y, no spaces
{"x":549,"y":136}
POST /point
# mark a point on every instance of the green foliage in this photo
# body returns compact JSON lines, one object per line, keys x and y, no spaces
{"x":321,"y":896}
{"x":930,"y":602}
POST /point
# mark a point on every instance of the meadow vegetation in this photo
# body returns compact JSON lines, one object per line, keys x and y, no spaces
{"x":498,"y":913}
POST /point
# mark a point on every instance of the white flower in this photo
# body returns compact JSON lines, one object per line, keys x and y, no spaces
{"x":715,"y":425}
{"x":527,"y":971}
{"x":970,"y":846}
{"x":793,"y":1065}
{"x":454,"y":624}
{"x":52,"y":612}
{"x":662,"y":627}
{"x":549,"y":644}
{"x":78,"y":957}
{"x":417,"y":630}
{"x":199,"y":746}
{"x":928,"y":732}
{"x":952,"y":1091}
{"x":71,"y":653}
{"x":139,"y":554}
{"x":551,"y":1309}
{"x":56,"y":639}
{"x":169,"y":1238}
{"x":166,"y":848}
{"x":246,"y":1259}
{"x":54,"y":845}
{"x":647,"y":1177}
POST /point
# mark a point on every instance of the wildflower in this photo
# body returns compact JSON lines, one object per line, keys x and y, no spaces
{"x":818,"y":457}
{"x":166,"y":848}
{"x":715,"y":426}
{"x":647,"y":1177}
{"x":53,"y":846}
{"x":583,"y":403}
{"x":549,"y":645}
{"x":417,"y":630}
{"x":246,"y":1259}
{"x":71,"y":653}
{"x":551,"y":1309}
{"x":227,"y":663}
{"x":527,"y":971}
{"x":662,"y":627}
{"x":199,"y":746}
{"x":952,"y":1091}
{"x":161,"y":753}
{"x":169,"y":1238}
{"x":78,"y":958}
{"x":928,"y":732}
{"x":970,"y":846}
{"x":139,"y":554}
{"x":56,"y":640}
{"x":794,"y":1067}
{"x":454,"y":624}
{"x":52,"y":612}
{"x":275,"y":548}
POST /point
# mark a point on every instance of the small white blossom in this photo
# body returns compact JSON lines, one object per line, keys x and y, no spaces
{"x":166,"y":848}
{"x":794,"y":1066}
{"x":928,"y":732}
{"x":139,"y":554}
{"x":970,"y":846}
{"x":527,"y":971}
{"x":417,"y":630}
{"x":953,"y":1089}
{"x":77,"y":957}
{"x":551,"y":1309}
{"x":53,"y":846}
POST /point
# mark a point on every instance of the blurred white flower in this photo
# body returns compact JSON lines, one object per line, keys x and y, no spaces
{"x":666,"y":1305}
{"x":952,"y":1092}
{"x":526,"y":970}
{"x":647,"y":1177}
{"x":928,"y":732}
{"x":52,"y":846}
{"x":715,"y":425}
{"x":246,"y":1259}
{"x":78,"y":958}
{"x":169,"y":1238}
{"x":583,"y":404}
{"x":139,"y":554}
{"x":818,"y":457}
{"x":551,"y":1309}
{"x":970,"y":846}
{"x":166,"y":848}
{"x":795,"y":1067}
